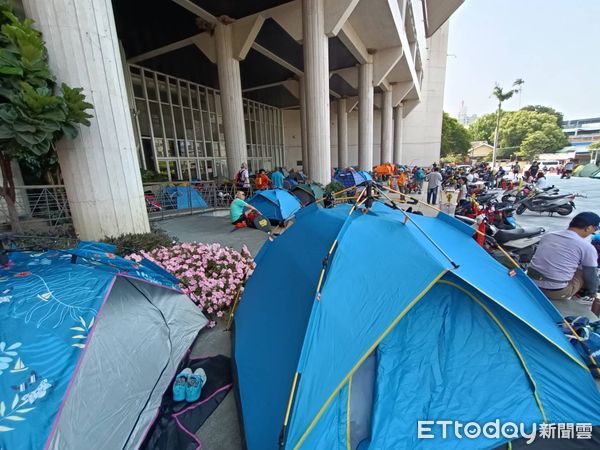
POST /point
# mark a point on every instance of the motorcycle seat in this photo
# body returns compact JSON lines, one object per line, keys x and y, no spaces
{"x":551,"y":197}
{"x":483,"y":198}
{"x":503,"y":236}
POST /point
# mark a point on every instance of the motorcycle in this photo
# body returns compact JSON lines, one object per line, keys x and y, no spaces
{"x":519,"y":243}
{"x":543,"y":202}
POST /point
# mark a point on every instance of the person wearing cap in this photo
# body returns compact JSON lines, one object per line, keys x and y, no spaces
{"x":566,"y":262}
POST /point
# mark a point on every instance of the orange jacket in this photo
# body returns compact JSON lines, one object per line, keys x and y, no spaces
{"x":262,"y":181}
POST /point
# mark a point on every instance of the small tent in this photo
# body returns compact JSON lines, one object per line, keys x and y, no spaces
{"x":89,"y":342}
{"x":350,"y":177}
{"x":186,"y":197}
{"x":277,"y":205}
{"x":308,"y":193}
{"x":379,"y":322}
{"x":589,"y":170}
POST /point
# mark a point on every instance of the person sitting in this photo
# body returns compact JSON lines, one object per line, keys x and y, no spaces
{"x":262,"y":180}
{"x":277,"y":178}
{"x":541,"y":182}
{"x":242,"y":213}
{"x":566,"y":262}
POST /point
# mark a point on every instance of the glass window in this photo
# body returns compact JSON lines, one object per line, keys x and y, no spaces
{"x":160,"y":147}
{"x":168,"y":119}
{"x":211,"y":101}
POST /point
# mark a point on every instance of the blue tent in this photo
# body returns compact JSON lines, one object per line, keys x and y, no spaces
{"x":351,"y":177}
{"x":89,"y":342}
{"x":275,"y":204}
{"x":186,"y":197}
{"x":432,"y":332}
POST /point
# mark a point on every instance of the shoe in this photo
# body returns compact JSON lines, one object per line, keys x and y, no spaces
{"x":180,"y":384}
{"x":195,"y":382}
{"x":586,"y":300}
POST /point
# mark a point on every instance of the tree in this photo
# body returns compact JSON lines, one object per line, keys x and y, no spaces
{"x":482,"y":129}
{"x":502,"y":96}
{"x":546,"y":109}
{"x":456,"y":139}
{"x":521,"y":129}
{"x":33,"y":115}
{"x":595,"y":146}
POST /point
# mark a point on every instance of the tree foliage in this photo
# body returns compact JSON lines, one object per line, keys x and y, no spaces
{"x":595,"y":146}
{"x":456,"y":139}
{"x":482,"y":129}
{"x":546,"y":109}
{"x":520,"y":132}
{"x":34,"y":111}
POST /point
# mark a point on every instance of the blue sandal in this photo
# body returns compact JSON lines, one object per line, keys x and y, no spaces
{"x":180,"y":384}
{"x":195,"y":382}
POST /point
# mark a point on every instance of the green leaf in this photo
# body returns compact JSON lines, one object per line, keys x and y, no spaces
{"x":70,"y":131}
{"x":10,"y":70}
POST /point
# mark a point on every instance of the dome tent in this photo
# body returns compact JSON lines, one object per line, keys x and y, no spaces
{"x":308,"y":193}
{"x":353,"y":350}
{"x":589,"y":170}
{"x":93,"y":342}
{"x":277,"y":205}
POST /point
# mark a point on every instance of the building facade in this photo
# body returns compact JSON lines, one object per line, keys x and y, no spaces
{"x":194,"y":88}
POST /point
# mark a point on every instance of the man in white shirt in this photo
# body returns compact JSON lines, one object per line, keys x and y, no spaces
{"x":434,"y":181}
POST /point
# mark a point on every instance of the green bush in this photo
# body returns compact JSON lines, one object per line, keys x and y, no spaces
{"x":136,"y":242}
{"x":333,"y":187}
{"x":60,"y":238}
{"x":148,"y":176}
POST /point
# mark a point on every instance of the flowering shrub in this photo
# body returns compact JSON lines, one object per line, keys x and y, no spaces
{"x":208,"y":273}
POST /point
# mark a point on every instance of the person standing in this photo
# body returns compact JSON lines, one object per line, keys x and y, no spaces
{"x":419,"y":175}
{"x":262,"y":180}
{"x":242,"y":179}
{"x":434,"y":181}
{"x":277,"y":179}
{"x":516,"y":168}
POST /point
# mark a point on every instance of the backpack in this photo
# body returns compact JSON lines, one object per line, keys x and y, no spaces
{"x":237,"y":179}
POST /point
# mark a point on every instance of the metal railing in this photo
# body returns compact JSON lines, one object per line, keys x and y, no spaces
{"x":46,"y":206}
{"x":165,"y":200}
{"x":43,"y":205}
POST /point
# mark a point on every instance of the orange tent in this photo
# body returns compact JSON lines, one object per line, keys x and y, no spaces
{"x":385,"y":169}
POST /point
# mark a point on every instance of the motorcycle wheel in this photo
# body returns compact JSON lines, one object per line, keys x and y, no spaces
{"x":508,"y":198}
{"x":565,"y":210}
{"x":521,"y":209}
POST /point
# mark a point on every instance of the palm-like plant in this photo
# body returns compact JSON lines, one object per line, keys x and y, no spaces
{"x":502,"y":96}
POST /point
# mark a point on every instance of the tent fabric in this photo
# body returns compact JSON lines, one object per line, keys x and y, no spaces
{"x":178,"y":422}
{"x":262,"y":338}
{"x":187,"y":197}
{"x":52,"y":304}
{"x":589,"y":170}
{"x":402,"y":309}
{"x":275,"y":204}
{"x":350,"y":177}
{"x":308,"y":193}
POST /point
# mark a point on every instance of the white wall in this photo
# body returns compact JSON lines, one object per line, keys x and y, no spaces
{"x":293,"y":148}
{"x":423,"y":125}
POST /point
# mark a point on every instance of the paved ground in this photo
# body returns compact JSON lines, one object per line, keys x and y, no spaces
{"x":221,"y":431}
{"x":586,"y":186}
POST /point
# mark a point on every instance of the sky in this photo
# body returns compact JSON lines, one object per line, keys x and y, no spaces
{"x":553,"y":45}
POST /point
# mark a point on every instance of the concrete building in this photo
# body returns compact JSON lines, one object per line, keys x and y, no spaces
{"x":193,"y":88}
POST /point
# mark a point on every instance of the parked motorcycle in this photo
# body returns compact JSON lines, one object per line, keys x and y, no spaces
{"x":544,"y":202}
{"x":519,"y":243}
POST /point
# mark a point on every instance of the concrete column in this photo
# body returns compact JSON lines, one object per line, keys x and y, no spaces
{"x":387,"y":128}
{"x":398,"y":123}
{"x":342,"y":119}
{"x":316,"y":74}
{"x":365,"y":116}
{"x":231,"y":99}
{"x":100,"y":168}
{"x":303,"y":132}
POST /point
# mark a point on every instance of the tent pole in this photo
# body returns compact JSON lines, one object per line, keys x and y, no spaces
{"x":581,"y":341}
{"x":510,"y":258}
{"x":283,"y":435}
{"x":421,"y":230}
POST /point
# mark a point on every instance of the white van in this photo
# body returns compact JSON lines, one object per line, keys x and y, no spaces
{"x":550,"y":166}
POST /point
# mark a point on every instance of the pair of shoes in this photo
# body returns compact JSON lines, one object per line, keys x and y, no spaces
{"x":188,"y":386}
